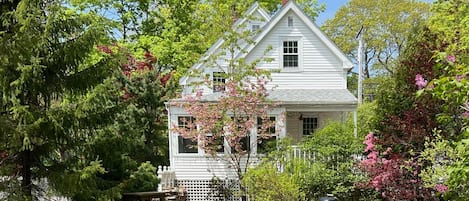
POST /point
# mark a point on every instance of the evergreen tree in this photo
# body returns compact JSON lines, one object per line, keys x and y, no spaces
{"x":46,"y":61}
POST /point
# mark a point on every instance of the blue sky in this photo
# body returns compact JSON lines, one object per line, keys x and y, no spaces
{"x":331,"y":7}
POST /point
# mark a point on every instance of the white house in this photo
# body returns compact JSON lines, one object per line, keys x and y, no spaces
{"x":310,"y":75}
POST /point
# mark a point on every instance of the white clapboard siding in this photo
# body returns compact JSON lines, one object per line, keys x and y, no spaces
{"x":201,"y":167}
{"x":320,"y":69}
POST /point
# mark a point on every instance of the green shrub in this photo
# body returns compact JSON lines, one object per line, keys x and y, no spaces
{"x":265,"y":183}
{"x":144,"y":179}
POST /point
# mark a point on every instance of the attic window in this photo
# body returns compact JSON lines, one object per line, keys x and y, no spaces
{"x":255,"y":27}
{"x":290,"y":21}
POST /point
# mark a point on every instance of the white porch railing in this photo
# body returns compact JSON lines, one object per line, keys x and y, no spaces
{"x":298,"y":153}
{"x":167,"y":178}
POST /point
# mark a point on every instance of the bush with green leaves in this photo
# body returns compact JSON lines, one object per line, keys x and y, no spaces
{"x":144,"y":179}
{"x":336,"y":150}
{"x":265,"y":182}
{"x":330,"y":169}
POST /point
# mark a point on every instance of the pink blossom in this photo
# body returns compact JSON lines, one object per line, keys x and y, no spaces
{"x":466,"y":108}
{"x":459,"y":77}
{"x":369,"y":139}
{"x":441,"y":188}
{"x":451,"y":58}
{"x":420,"y":82}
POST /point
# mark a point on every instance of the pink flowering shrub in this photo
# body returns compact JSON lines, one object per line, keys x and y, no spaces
{"x":393,"y":177}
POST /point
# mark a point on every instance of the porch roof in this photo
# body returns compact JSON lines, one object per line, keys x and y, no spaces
{"x":313,"y":96}
{"x":301,"y":97}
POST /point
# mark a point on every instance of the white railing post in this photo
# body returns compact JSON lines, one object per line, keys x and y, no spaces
{"x":159,"y":173}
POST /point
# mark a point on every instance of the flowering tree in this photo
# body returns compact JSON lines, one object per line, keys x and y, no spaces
{"x":437,"y":71}
{"x":225,"y":126}
{"x":405,"y":123}
{"x":392,"y":176}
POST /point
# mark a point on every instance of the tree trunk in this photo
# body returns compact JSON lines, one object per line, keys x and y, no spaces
{"x":26,"y":182}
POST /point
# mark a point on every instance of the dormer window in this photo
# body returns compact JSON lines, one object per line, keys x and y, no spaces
{"x":290,"y":21}
{"x":290,"y":54}
{"x":218,"y":81}
{"x":255,"y":27}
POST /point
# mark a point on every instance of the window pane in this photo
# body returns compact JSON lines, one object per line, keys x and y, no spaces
{"x":218,"y":80}
{"x":310,"y":124}
{"x":290,"y":61}
{"x":186,"y":145}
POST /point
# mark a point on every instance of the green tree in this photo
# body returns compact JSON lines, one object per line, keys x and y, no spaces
{"x":448,"y":155}
{"x":386,"y":25}
{"x":46,"y":57}
{"x":125,"y":115}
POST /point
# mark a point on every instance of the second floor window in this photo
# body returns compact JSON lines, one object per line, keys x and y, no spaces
{"x":290,"y":54}
{"x":218,"y":80}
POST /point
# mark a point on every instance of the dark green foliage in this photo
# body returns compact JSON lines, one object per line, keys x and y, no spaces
{"x":336,"y":148}
{"x":45,"y":52}
{"x":144,"y":179}
{"x":405,"y":119}
{"x":63,"y":114}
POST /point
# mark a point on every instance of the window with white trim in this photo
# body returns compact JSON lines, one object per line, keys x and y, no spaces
{"x":218,"y":81}
{"x":290,"y":54}
{"x":310,"y":124}
{"x":267,"y":143}
{"x":186,"y":145}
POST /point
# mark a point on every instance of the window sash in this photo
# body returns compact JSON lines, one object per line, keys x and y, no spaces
{"x":290,"y":54}
{"x":310,"y":124}
{"x":187,"y":145}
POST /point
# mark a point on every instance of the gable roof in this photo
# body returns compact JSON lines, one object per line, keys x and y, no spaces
{"x":291,"y":5}
{"x":251,"y":10}
{"x":265,"y":30}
